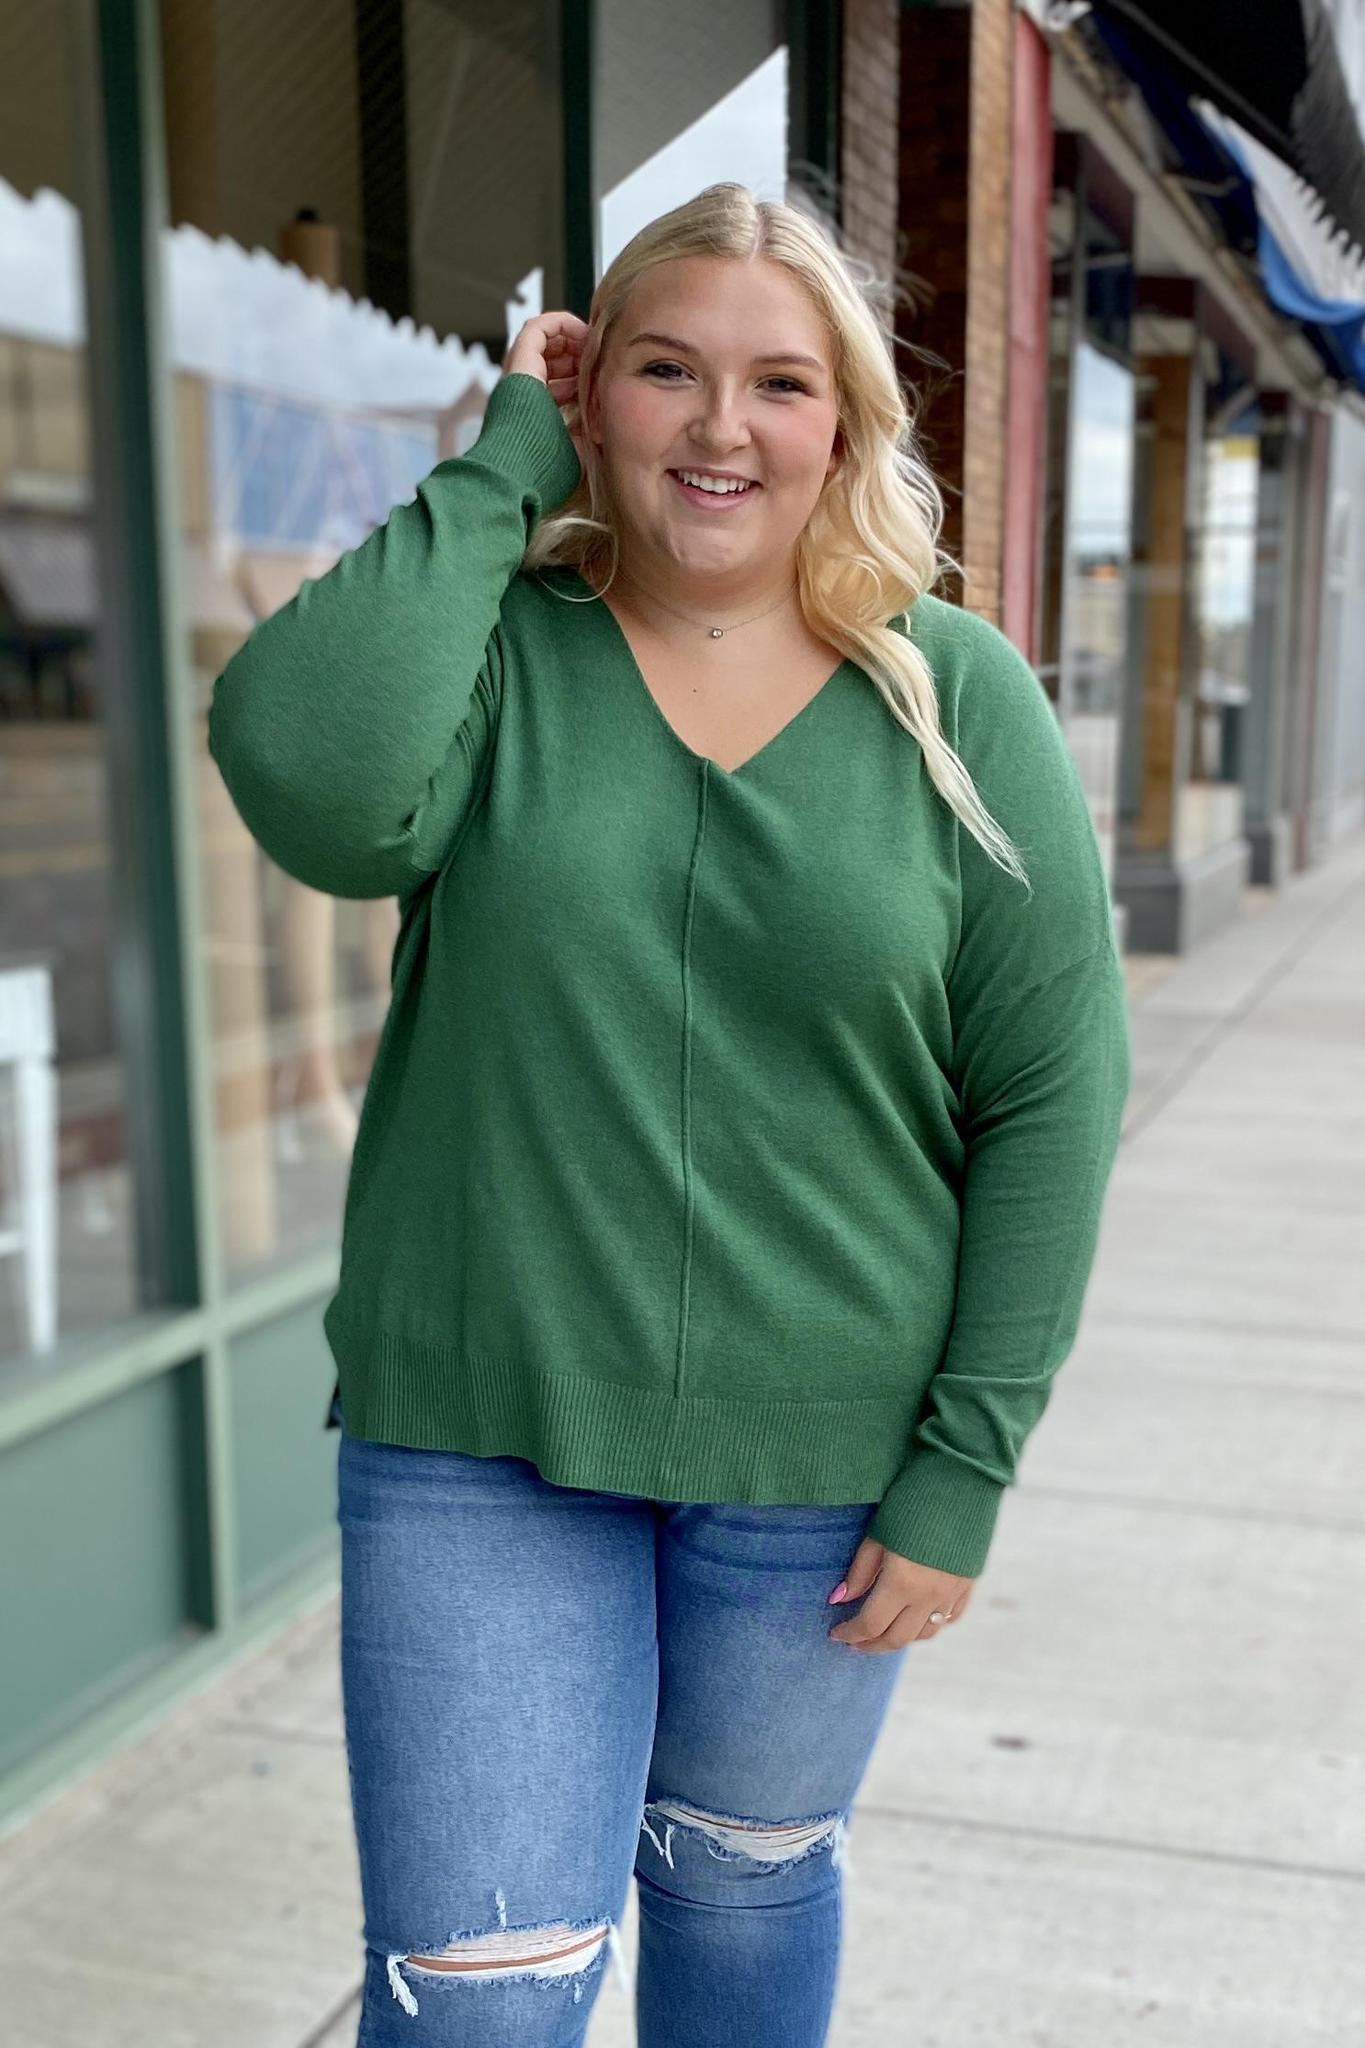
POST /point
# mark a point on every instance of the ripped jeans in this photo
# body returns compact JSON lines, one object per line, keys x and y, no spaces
{"x":547,"y":1689}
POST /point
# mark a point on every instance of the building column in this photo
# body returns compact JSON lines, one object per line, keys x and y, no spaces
{"x":869,"y":101}
{"x":1268,"y":825}
{"x":1310,"y":580}
{"x":956,"y":83}
{"x":1178,"y":880}
{"x":1030,"y":293}
{"x":1161,"y":558}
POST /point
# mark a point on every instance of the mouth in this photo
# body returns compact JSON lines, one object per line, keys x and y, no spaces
{"x":714,"y":500}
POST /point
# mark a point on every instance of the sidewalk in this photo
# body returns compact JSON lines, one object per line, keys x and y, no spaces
{"x":1122,"y":1803}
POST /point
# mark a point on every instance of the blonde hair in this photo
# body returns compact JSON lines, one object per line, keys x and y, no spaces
{"x":870,"y":547}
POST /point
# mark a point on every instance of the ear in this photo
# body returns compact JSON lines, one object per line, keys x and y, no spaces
{"x":836,"y":458}
{"x":589,"y":412}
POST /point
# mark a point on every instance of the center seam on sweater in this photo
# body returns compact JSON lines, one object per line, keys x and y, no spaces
{"x":685,"y":1079}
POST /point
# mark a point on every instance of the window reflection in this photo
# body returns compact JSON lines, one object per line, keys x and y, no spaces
{"x":1099,"y":533}
{"x":1087,"y":543}
{"x":360,"y":217}
{"x":1223,"y":586}
{"x":686,"y":97}
{"x":67,"y":1262}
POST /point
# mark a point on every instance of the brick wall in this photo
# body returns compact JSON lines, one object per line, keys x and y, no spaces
{"x":932,"y":170}
{"x":953,"y":174}
{"x":868,"y":115}
{"x":988,"y":264}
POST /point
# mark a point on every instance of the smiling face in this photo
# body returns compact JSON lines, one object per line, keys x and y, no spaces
{"x":717,"y":368}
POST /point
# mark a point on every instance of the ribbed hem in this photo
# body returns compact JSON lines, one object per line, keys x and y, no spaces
{"x":614,"y":1438}
{"x":523,"y":436}
{"x":941,"y":1512}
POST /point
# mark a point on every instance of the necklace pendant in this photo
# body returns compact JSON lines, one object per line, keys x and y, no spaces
{"x":716,"y":632}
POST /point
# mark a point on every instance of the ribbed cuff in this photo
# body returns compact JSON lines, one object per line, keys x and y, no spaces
{"x":940,"y":1512}
{"x":523,"y":436}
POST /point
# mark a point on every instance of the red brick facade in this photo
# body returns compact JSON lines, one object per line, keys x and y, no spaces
{"x":954,"y":203}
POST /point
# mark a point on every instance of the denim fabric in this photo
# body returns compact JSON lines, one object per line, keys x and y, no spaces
{"x":547,"y":1689}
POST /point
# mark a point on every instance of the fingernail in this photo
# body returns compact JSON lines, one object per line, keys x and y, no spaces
{"x":838,"y":1593}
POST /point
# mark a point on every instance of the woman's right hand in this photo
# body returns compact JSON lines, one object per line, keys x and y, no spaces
{"x":550,"y":347}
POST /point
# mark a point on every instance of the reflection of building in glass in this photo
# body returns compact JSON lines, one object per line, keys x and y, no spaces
{"x":278,"y":476}
{"x":1226,"y":602}
{"x":1085,"y":564}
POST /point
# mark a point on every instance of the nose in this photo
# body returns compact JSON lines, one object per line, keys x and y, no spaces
{"x":721,"y":425}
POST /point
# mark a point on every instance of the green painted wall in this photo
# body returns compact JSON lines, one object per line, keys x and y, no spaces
{"x":94,"y":1531}
{"x":280,"y":1376}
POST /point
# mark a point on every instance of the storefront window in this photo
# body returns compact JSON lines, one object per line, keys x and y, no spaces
{"x":68,"y":1261}
{"x":1223,"y":598}
{"x":361,"y":217}
{"x":1099,"y":534}
{"x":1087,"y":530}
{"x":1061,"y":233}
{"x":686,"y":97}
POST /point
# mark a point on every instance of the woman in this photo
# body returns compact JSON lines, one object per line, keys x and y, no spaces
{"x":731,"y":1165}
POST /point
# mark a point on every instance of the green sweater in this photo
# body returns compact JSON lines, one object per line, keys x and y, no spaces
{"x":732,"y":1135}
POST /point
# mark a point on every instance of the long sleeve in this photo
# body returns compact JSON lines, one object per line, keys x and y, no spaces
{"x":1042,"y":1067}
{"x":352,"y":726}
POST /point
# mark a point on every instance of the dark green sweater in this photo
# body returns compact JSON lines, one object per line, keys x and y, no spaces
{"x":732,"y":1135}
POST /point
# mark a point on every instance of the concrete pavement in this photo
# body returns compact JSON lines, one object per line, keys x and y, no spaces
{"x":1123,"y":1802}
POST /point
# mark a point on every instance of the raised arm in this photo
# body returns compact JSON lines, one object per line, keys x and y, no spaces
{"x":1042,"y":1065}
{"x":352,"y":725}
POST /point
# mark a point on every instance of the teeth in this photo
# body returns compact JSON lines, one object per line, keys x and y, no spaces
{"x":720,"y":485}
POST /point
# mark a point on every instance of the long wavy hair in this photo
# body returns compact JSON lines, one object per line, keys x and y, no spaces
{"x":870,"y":547}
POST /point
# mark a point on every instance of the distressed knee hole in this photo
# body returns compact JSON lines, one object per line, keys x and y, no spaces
{"x":783,"y":1842}
{"x":551,"y":1951}
{"x":556,"y":1951}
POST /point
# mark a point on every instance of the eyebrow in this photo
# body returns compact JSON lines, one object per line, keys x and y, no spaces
{"x":685,"y":348}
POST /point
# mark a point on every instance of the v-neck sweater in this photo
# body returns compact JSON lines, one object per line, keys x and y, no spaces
{"x":732,"y":1135}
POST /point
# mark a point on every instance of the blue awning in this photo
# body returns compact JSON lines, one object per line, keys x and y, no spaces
{"x":1335,"y":326}
{"x":1274,"y":69}
{"x":1260,"y":205}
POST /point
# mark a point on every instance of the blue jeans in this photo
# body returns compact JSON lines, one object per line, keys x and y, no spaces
{"x":547,"y":1688}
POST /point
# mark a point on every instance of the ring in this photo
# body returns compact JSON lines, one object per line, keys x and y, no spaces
{"x":936,"y":1616}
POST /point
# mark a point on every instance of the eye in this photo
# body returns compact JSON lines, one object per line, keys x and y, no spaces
{"x":792,"y":382}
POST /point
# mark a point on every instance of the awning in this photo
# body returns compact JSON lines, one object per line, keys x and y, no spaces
{"x":1336,"y":326}
{"x":1305,"y":273}
{"x":1273,"y":68}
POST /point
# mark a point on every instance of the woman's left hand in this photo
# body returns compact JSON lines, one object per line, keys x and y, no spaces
{"x":904,"y":1595}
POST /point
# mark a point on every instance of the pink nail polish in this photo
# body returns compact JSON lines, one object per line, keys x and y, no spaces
{"x":838,"y":1593}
